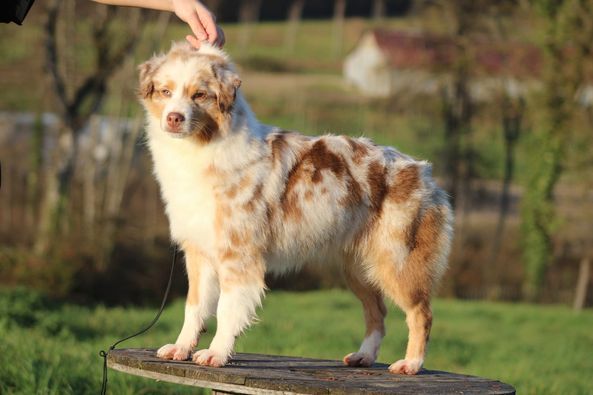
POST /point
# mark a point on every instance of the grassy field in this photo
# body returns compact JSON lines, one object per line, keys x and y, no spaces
{"x":52,"y":348}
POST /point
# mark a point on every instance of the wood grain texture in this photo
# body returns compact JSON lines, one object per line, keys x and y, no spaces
{"x":270,"y":374}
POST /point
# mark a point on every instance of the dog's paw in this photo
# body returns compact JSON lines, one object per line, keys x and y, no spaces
{"x":209,"y":357}
{"x":175,"y":352}
{"x":359,"y":359}
{"x":406,"y":366}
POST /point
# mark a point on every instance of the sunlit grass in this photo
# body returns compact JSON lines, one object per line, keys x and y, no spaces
{"x":53,"y":348}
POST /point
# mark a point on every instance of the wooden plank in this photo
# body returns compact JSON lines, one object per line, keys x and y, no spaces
{"x":269,"y":374}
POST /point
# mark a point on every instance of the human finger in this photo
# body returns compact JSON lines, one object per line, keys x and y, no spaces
{"x":211,"y":28}
{"x":196,"y":27}
{"x":193,"y":41}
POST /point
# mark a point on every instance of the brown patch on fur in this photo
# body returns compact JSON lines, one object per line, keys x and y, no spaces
{"x":154,"y":107}
{"x":322,"y":158}
{"x":289,"y":200}
{"x":228,"y":82}
{"x":278,"y":145}
{"x":222,"y":212}
{"x":236,"y":239}
{"x":359,"y":150}
{"x":428,"y":231}
{"x":354,"y":192}
{"x":147,"y":71}
{"x":231,"y":193}
{"x":406,"y":182}
{"x":313,"y":162}
{"x":244,"y":183}
{"x":309,"y":195}
{"x":170,"y":85}
{"x":208,"y":126}
{"x":419,"y":296}
{"x":203,"y":83}
{"x":228,"y":255}
{"x":412,"y":230}
{"x":258,"y":192}
{"x":291,"y":207}
{"x":249,"y":206}
{"x":412,"y":285}
{"x":377,"y":184}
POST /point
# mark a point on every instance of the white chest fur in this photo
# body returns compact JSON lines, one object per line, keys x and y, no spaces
{"x":188,"y":195}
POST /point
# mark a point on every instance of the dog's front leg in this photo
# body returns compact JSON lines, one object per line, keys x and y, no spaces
{"x":242,"y":287}
{"x":202,"y":297}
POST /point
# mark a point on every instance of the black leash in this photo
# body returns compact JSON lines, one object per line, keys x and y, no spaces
{"x":104,"y":354}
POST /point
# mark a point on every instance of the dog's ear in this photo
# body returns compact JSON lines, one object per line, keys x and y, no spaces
{"x":228,"y":82}
{"x":146,"y":73}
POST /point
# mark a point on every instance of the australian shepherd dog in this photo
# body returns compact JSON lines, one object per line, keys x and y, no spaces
{"x":245,"y":198}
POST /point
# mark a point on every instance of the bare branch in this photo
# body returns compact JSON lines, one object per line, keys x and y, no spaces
{"x":51,"y":54}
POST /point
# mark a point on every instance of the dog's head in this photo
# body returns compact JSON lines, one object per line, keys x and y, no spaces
{"x":190,"y":91}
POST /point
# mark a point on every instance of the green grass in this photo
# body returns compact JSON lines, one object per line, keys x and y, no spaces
{"x":52,"y":348}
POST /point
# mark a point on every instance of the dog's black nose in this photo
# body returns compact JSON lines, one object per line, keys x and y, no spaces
{"x":174,"y":119}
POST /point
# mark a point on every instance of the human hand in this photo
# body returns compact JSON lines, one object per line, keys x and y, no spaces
{"x":201,"y":21}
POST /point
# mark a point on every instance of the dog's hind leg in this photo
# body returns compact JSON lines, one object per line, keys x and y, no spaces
{"x":242,"y":287}
{"x":374,"y":315}
{"x":202,"y":296}
{"x":410,"y":283}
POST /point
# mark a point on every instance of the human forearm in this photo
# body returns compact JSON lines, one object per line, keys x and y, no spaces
{"x":163,"y":5}
{"x":201,"y":21}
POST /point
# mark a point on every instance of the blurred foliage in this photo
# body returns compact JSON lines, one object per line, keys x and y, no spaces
{"x":553,"y":132}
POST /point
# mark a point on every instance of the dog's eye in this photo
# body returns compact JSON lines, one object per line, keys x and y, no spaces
{"x":166,"y":92}
{"x":199,"y":95}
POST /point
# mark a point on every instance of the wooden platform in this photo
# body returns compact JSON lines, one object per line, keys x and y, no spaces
{"x":271,"y":374}
{"x":268,"y":374}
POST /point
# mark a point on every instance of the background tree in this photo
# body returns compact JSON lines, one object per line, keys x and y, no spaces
{"x":248,"y":15}
{"x":378,"y":10}
{"x":77,"y":101}
{"x":463,"y":18}
{"x":568,"y":35}
{"x":338,"y":28}
{"x":295,"y":14}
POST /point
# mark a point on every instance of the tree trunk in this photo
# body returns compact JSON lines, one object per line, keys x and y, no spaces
{"x":547,"y":152}
{"x":338,"y":29}
{"x":457,"y":115}
{"x":582,"y":284}
{"x":58,"y":177}
{"x":89,"y":183}
{"x":77,"y":104}
{"x":120,"y":164}
{"x":511,"y":126}
{"x":248,"y":15}
{"x":378,"y":12}
{"x":7,"y":209}
{"x":35,"y":169}
{"x":561,"y":80}
{"x":295,"y":13}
